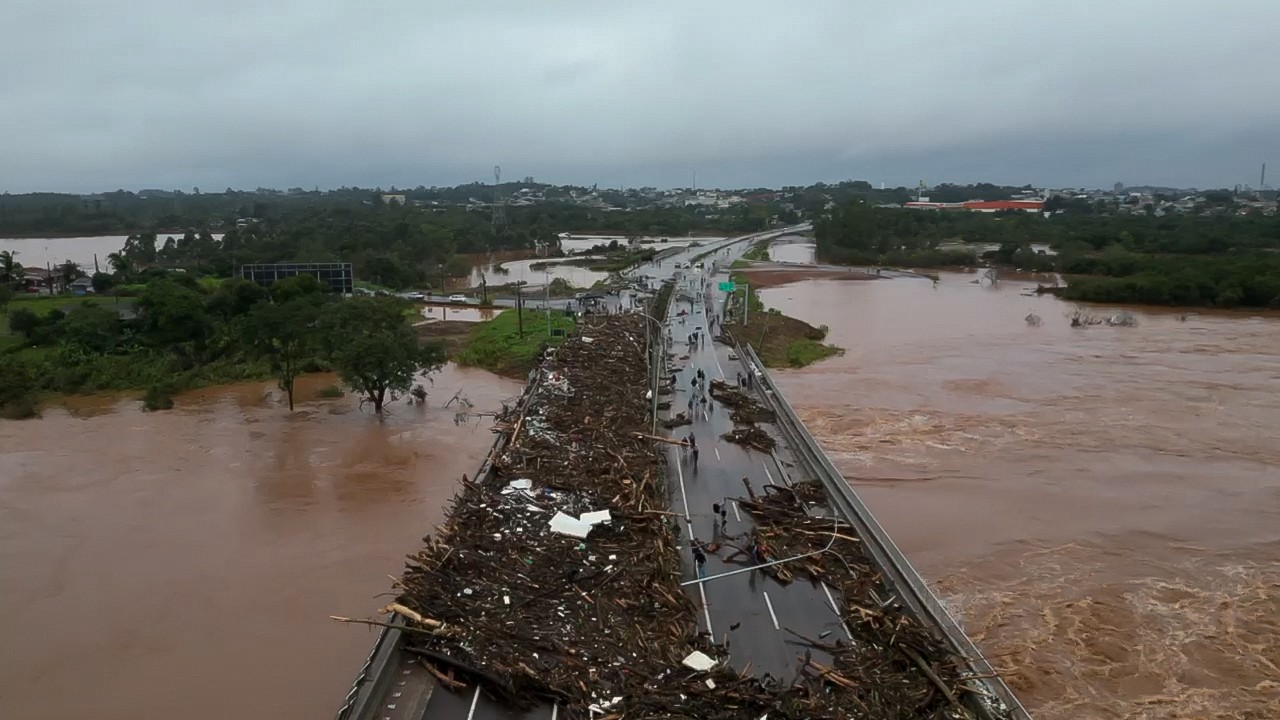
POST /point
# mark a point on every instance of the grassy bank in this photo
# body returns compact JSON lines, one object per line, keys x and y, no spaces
{"x":780,"y":340}
{"x":759,"y":250}
{"x":497,"y":345}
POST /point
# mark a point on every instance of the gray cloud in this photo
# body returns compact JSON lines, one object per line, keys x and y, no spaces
{"x":281,"y":93}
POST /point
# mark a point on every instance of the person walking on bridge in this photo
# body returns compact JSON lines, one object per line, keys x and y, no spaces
{"x":699,"y":558}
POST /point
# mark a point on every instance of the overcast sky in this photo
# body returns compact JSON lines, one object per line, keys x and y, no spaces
{"x":101,"y":94}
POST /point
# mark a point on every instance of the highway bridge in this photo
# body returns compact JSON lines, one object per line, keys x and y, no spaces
{"x":760,"y":612}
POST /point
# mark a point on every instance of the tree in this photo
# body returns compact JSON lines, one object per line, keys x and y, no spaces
{"x":172,"y":313}
{"x":68,"y":272}
{"x":235,"y":297}
{"x":287,"y":334}
{"x":91,"y":327}
{"x":120,"y":263}
{"x":25,"y":321}
{"x":286,"y":289}
{"x":10,"y":268}
{"x":102,"y":282}
{"x":18,"y":392}
{"x":375,"y":351}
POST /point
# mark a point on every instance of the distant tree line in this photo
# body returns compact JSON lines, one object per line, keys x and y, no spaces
{"x":1224,"y":261}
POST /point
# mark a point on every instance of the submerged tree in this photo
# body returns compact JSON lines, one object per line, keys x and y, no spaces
{"x":374,"y":349}
{"x":288,"y":334}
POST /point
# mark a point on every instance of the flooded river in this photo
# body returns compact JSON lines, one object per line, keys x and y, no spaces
{"x":1100,"y":505}
{"x":184,"y":564}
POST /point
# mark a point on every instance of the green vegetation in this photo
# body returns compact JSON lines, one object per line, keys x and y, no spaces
{"x":375,"y":351}
{"x":759,"y":251}
{"x":497,"y":345}
{"x":754,"y":303}
{"x":185,"y":335}
{"x":462,"y":211}
{"x":804,"y":352}
{"x":780,"y":340}
{"x":615,"y":260}
{"x":1218,"y":260}
{"x":158,"y":397}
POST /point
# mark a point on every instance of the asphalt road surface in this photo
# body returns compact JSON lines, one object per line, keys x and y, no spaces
{"x":749,"y":612}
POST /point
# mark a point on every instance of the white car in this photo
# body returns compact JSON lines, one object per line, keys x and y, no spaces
{"x":416,"y":296}
{"x":457,"y":298}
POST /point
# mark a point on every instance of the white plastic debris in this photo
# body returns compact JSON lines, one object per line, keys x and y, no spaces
{"x":595,"y":517}
{"x":698,"y":660}
{"x":514,"y":485}
{"x":569,"y":525}
{"x":588,"y":340}
{"x":711,"y":684}
{"x":603,"y":707}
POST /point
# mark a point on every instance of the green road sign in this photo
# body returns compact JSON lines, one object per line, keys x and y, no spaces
{"x":728,"y":286}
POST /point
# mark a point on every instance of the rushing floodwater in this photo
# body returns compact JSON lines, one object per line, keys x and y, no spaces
{"x":1101,"y":505}
{"x":184,"y":564}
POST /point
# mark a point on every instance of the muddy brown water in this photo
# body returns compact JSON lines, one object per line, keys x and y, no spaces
{"x":184,"y":564}
{"x":1100,"y":506}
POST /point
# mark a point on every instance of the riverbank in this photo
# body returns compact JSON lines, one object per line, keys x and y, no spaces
{"x":780,"y":340}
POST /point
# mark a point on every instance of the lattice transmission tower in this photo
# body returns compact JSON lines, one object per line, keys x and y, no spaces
{"x":499,"y":202}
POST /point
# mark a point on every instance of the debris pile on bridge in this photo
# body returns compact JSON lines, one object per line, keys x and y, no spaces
{"x":746,"y":409}
{"x":557,"y":576}
{"x":746,"y":412}
{"x":892,"y":666}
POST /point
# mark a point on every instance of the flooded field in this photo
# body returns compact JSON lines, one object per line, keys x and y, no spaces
{"x":798,"y":250}
{"x":458,"y":314}
{"x":184,"y":564}
{"x":36,"y":252}
{"x":1100,"y":505}
{"x":548,"y":269}
{"x":575,"y":244}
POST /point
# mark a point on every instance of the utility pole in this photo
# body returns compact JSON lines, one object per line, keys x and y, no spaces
{"x":746,"y":302}
{"x":519,"y":308}
{"x":546,"y":299}
{"x":484,"y":290}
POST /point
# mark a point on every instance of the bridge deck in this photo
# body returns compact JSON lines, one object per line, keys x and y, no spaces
{"x":749,"y":613}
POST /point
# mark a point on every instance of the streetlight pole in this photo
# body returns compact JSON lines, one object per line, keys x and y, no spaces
{"x":658,"y":351}
{"x":546,"y":298}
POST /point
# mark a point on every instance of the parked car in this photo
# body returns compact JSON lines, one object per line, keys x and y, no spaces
{"x":457,"y":298}
{"x":416,"y":296}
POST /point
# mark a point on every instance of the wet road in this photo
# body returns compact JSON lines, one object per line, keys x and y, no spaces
{"x":758,"y":608}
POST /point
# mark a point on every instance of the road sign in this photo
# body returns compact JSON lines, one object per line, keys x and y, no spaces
{"x":728,"y":286}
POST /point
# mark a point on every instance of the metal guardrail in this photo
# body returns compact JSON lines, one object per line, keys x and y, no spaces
{"x":901,"y":577}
